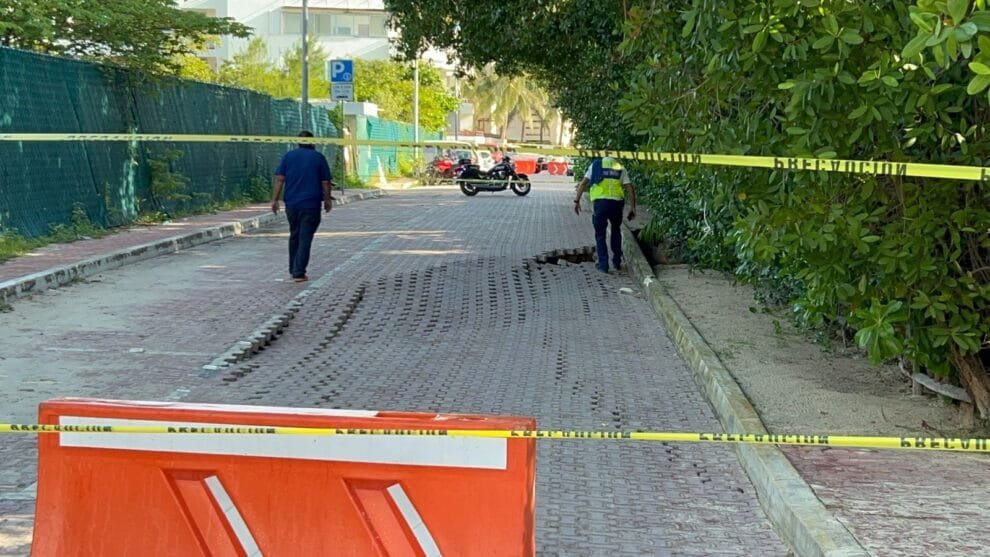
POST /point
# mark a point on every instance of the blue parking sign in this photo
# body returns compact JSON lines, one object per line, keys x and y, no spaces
{"x":341,"y":71}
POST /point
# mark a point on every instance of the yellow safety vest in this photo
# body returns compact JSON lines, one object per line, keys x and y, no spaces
{"x":611,"y":185}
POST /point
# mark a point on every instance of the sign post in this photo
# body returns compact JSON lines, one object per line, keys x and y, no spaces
{"x":341,"y":77}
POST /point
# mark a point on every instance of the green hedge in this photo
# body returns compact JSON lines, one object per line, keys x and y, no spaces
{"x":902,"y":261}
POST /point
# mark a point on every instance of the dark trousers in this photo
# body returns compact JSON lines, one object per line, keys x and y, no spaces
{"x":302,"y":227}
{"x":605,"y":212}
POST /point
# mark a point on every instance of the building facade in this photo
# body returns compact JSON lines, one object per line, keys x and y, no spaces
{"x":345,"y":28}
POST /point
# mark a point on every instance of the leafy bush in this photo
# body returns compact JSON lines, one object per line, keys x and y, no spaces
{"x":903,"y":261}
{"x":168,"y":188}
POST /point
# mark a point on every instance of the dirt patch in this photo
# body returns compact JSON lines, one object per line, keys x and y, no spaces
{"x":796,"y":384}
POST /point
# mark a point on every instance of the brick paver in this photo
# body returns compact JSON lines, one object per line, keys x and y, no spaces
{"x":550,"y":341}
{"x":426,"y":300}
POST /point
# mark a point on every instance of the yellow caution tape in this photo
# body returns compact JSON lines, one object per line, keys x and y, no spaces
{"x":204,"y":138}
{"x":845,"y":166}
{"x":968,"y":444}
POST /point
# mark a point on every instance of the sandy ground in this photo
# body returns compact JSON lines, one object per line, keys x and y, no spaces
{"x":796,"y":384}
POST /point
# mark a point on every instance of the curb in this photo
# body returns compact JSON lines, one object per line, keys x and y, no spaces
{"x":65,"y":274}
{"x":795,"y":511}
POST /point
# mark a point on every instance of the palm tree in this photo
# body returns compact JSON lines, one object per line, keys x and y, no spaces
{"x":504,"y":98}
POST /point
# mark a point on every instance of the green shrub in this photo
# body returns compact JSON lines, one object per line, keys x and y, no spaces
{"x":80,"y":228}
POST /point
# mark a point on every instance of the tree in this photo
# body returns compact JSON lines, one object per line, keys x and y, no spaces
{"x":580,"y":69}
{"x":505,"y":98}
{"x":389,"y":84}
{"x":148,"y":35}
{"x":291,"y":84}
{"x":195,"y":68}
{"x":250,"y":68}
{"x":191,"y":66}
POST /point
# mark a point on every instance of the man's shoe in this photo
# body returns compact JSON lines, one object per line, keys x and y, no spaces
{"x":303,"y":278}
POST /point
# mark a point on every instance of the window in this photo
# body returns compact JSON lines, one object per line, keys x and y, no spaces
{"x":329,"y":24}
{"x":322,"y":24}
{"x":378,"y":26}
{"x":343,"y":25}
{"x":362,"y":24}
{"x":291,"y":23}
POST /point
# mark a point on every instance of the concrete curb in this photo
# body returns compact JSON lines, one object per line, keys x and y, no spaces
{"x":65,"y":274}
{"x":798,"y":515}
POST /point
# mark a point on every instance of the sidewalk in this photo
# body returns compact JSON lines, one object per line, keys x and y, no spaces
{"x":761,"y":375}
{"x":59,"y":264}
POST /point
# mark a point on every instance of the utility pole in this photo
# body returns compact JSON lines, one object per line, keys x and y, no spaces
{"x":416,"y":107}
{"x":305,"y":66}
{"x":457,"y":111}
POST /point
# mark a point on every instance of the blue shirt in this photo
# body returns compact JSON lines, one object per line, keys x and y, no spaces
{"x":305,"y":170}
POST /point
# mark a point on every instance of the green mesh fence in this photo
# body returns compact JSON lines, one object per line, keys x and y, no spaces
{"x":42,"y":183}
{"x":391,"y":161}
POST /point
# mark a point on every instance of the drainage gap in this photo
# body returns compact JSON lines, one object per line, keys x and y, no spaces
{"x":584,"y":254}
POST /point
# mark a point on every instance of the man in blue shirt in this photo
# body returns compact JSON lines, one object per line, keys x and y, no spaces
{"x":305,"y":176}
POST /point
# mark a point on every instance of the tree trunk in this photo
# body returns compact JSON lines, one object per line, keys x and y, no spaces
{"x":508,"y":122}
{"x":974,"y":379}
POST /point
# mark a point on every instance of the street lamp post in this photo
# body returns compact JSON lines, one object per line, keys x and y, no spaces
{"x":305,"y":66}
{"x":416,"y":108}
{"x":457,"y":111}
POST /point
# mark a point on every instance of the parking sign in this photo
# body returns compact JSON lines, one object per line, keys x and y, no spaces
{"x":341,"y":74}
{"x":341,"y":71}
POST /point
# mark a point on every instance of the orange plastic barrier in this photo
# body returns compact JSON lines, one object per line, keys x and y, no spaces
{"x":557,"y":168}
{"x":185,"y":494}
{"x":525,"y":166}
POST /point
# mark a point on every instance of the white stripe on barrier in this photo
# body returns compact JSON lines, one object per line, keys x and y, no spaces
{"x":228,"y":408}
{"x":234,"y":518}
{"x":455,"y":452}
{"x":419,"y":529}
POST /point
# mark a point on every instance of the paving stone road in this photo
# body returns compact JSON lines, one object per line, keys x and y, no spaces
{"x":423,"y":300}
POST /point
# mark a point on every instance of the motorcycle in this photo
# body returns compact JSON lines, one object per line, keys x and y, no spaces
{"x":472,"y":179}
{"x":439,"y":169}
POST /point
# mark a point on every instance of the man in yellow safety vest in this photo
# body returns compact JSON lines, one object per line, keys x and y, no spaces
{"x":610,"y":187}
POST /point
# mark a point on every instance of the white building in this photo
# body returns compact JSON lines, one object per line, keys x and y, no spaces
{"x":346,"y":29}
